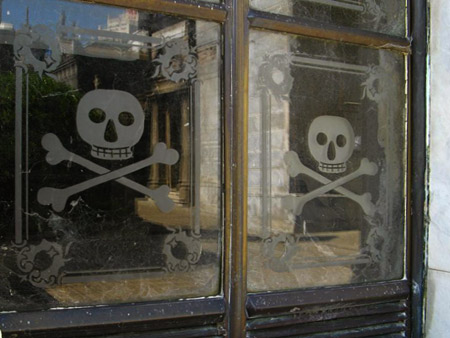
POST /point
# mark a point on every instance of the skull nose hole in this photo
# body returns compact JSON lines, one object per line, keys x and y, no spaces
{"x":331,"y":153}
{"x":110,"y":132}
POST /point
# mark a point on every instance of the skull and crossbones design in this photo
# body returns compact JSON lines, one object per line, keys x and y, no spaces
{"x":331,"y":142}
{"x":111,"y":121}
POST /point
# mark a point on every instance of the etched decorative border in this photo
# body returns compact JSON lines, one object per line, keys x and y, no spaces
{"x":371,"y":11}
{"x":353,"y":5}
{"x":176,"y":63}
{"x":371,"y":76}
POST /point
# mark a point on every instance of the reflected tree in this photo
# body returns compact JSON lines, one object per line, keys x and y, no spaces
{"x":51,"y":104}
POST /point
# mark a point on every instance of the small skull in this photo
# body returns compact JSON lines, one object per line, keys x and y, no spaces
{"x":331,"y":141}
{"x":111,"y":121}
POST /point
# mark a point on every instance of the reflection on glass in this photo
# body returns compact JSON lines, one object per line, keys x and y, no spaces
{"x":326,"y":163}
{"x":384,"y":16}
{"x":110,"y":146}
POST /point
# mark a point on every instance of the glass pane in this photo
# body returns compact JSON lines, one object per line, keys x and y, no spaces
{"x":326,"y":157}
{"x":384,"y":16}
{"x":111,"y":157}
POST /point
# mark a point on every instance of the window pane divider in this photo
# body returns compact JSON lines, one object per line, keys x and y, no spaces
{"x":419,"y":192}
{"x":314,"y":29}
{"x":236,"y":64}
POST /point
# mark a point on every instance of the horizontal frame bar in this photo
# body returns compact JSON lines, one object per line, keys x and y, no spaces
{"x":314,"y":29}
{"x":358,"y":327}
{"x":134,"y":316}
{"x":191,"y":332}
{"x":287,"y":301}
{"x":353,"y":311}
{"x":186,"y":8}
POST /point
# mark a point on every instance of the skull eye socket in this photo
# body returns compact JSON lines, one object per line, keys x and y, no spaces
{"x":126,"y":118}
{"x":97,"y":115}
{"x":341,"y":141}
{"x":321,"y":138}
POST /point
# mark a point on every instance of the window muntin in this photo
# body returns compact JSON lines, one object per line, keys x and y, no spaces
{"x":327,"y":163}
{"x":119,"y":196}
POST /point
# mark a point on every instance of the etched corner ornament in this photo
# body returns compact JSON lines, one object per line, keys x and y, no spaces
{"x":276,"y":262}
{"x":42,"y":37}
{"x":177,"y":63}
{"x":373,"y":10}
{"x":376,"y":86}
{"x":181,"y":251}
{"x":111,"y":137}
{"x":41,"y":264}
{"x":275,"y":75}
{"x":331,"y":142}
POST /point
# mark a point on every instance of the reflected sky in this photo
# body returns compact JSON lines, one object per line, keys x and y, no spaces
{"x":49,"y":12}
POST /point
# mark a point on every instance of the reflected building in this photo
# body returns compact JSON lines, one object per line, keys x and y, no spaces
{"x":164,"y":81}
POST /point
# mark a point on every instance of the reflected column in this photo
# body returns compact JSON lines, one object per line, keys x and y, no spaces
{"x":154,"y":181}
{"x":168,"y":173}
{"x":185,"y":156}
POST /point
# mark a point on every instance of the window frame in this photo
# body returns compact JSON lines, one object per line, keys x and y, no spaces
{"x":228,"y":312}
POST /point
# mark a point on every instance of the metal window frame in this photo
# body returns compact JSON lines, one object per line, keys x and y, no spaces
{"x":227,"y":314}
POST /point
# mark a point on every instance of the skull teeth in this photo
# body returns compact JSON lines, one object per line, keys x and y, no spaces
{"x":112,"y":153}
{"x":332,"y":168}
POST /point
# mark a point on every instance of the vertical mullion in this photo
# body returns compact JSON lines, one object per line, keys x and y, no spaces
{"x":419,"y":34}
{"x":236,"y":185}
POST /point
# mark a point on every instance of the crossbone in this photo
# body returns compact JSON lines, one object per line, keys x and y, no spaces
{"x":296,"y":167}
{"x":57,"y":198}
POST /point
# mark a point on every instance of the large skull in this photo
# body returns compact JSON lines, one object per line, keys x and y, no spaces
{"x":111,"y":121}
{"x":331,"y":141}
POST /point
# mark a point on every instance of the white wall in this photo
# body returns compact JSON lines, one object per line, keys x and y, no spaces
{"x":438,"y":303}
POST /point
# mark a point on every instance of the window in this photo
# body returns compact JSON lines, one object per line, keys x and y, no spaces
{"x":199,"y":168}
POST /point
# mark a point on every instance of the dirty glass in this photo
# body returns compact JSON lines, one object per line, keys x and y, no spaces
{"x":110,"y":155}
{"x":384,"y":16}
{"x":326,"y":163}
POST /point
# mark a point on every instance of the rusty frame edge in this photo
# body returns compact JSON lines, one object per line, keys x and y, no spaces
{"x":419,"y":163}
{"x":186,"y":8}
{"x":310,"y":28}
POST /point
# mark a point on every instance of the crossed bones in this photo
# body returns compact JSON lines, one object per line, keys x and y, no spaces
{"x":296,"y":167}
{"x":57,"y":198}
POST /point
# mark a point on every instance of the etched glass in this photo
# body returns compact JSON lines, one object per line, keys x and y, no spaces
{"x":384,"y":16}
{"x":327,"y":163}
{"x":110,"y":150}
